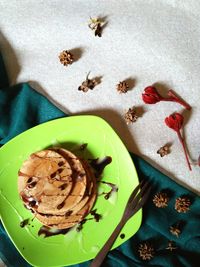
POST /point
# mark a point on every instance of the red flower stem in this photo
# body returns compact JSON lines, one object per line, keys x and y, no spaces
{"x":184,"y":148}
{"x":168,"y":99}
{"x":172,"y":94}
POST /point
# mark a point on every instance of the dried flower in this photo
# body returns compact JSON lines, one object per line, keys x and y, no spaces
{"x":122,"y":87}
{"x":151,"y":96}
{"x":66,"y":58}
{"x":96,"y":25}
{"x":161,"y":200}
{"x":88,"y":84}
{"x":171,"y":246}
{"x":163,"y":151}
{"x":175,"y":122}
{"x":146,"y":251}
{"x":182,"y":204}
{"x":175,"y":230}
{"x":131,"y":116}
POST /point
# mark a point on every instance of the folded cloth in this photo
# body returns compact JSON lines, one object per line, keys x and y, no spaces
{"x":21,"y":107}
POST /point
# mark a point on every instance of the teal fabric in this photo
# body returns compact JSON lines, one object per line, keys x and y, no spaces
{"x":21,"y":107}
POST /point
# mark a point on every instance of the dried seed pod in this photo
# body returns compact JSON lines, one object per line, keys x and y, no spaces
{"x":171,"y":246}
{"x":161,"y":200}
{"x":88,"y":84}
{"x":122,"y":87}
{"x":131,"y":116}
{"x":66,"y":58}
{"x":146,"y":251}
{"x":182,"y":204}
{"x":163,"y":151}
{"x":96,"y":24}
{"x":175,"y":230}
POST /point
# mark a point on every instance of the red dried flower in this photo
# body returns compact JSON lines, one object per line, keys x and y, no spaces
{"x":151,"y":96}
{"x":175,"y":122}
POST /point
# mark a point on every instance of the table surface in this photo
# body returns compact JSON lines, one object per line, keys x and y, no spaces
{"x":145,"y":42}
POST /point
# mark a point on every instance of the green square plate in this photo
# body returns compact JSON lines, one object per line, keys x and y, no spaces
{"x":74,"y":247}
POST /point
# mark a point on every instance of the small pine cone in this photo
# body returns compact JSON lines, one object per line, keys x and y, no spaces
{"x":182,"y":204}
{"x":130,"y":116}
{"x":66,"y":58}
{"x":146,"y":251}
{"x":122,"y":87}
{"x":161,"y":200}
{"x":175,"y":230}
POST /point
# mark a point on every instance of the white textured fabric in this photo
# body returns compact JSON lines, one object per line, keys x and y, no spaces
{"x":148,"y":41}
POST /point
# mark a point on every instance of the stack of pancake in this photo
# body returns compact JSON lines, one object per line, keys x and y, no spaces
{"x":57,"y":186}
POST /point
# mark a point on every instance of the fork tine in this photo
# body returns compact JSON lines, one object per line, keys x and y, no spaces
{"x":143,"y":200}
{"x":143,"y":189}
{"x":136,"y":199}
{"x":134,"y":193}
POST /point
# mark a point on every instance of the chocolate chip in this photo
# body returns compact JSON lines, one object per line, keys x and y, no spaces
{"x":63,"y":186}
{"x":32,"y":203}
{"x":68,"y":213}
{"x":60,"y":206}
{"x":53,"y":175}
{"x":30,"y":180}
{"x":61,"y":163}
{"x":60,"y":170}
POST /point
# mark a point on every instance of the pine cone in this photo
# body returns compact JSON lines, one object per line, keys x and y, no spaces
{"x":161,"y":200}
{"x":66,"y":58}
{"x":146,"y":251}
{"x":130,"y":116}
{"x":175,"y":230}
{"x":182,"y":204}
{"x":163,"y":151}
{"x":122,"y":87}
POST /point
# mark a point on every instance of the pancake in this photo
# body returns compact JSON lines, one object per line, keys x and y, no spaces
{"x":89,"y":190}
{"x":80,"y":182}
{"x":79,"y":211}
{"x":44,"y":173}
{"x":69,"y":220}
{"x":57,"y":186}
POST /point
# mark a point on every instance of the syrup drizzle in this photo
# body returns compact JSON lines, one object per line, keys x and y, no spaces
{"x":114,"y":188}
{"x":96,"y":217}
{"x":99,"y":165}
{"x":24,"y":223}
{"x":47,"y":231}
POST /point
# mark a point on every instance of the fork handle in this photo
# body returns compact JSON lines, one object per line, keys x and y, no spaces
{"x":107,"y":246}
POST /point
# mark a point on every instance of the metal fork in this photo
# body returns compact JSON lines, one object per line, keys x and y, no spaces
{"x":135,"y":202}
